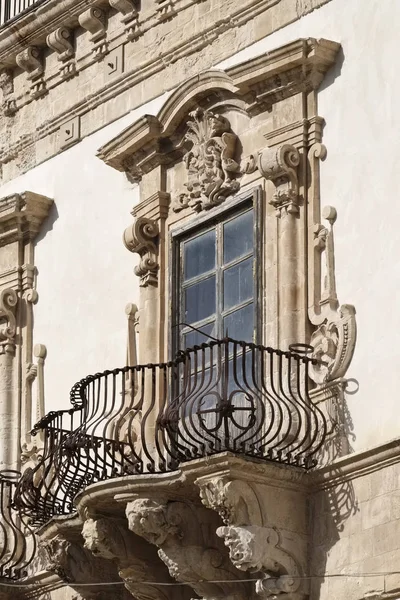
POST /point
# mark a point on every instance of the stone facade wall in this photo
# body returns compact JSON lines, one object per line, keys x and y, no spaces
{"x":356,"y":528}
{"x":196,"y":36}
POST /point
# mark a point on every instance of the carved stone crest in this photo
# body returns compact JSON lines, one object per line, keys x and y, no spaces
{"x":210,"y":163}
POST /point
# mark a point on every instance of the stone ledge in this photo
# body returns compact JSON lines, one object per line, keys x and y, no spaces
{"x":357,"y":465}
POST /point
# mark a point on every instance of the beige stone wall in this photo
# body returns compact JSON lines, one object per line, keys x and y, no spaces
{"x":199,"y":35}
{"x":355,"y":517}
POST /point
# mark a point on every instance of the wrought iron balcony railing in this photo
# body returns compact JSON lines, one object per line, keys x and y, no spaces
{"x":9,"y":9}
{"x":17,"y":541}
{"x":221,"y":396}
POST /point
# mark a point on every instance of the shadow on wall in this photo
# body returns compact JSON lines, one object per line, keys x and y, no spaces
{"x":48,"y":223}
{"x":332,"y":506}
{"x":334,"y":72}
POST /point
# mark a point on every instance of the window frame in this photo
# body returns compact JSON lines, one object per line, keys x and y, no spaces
{"x":252,"y":198}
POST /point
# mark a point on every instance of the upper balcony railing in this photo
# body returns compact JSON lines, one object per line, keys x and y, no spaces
{"x":221,"y":396}
{"x":9,"y":9}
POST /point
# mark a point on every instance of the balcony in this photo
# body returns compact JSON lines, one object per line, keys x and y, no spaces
{"x":11,"y":9}
{"x":223,"y":396}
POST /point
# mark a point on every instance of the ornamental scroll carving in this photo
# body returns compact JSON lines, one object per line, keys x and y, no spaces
{"x":279,"y":165}
{"x":188,"y":546}
{"x":210,"y":163}
{"x":253,"y":546}
{"x":335,"y":337}
{"x":8,"y":302}
{"x":141,"y":238}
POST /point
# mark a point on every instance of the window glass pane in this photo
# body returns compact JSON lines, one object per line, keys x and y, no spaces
{"x":238,"y":236}
{"x":200,"y":300}
{"x":238,"y":283}
{"x":240,"y":324}
{"x":195,"y":338}
{"x":199,"y":255}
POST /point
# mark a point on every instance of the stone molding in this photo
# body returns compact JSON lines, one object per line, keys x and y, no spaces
{"x":357,"y":465}
{"x":21,"y":216}
{"x":34,"y":27}
{"x":137,"y":149}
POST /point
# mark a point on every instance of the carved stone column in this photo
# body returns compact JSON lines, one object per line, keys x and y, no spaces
{"x":9,"y":410}
{"x":280,"y":164}
{"x":21,"y":217}
{"x":185,"y":536}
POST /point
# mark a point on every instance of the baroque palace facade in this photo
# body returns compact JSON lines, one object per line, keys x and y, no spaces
{"x":238,"y":435}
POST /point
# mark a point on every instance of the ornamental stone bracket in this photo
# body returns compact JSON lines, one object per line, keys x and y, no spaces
{"x":141,"y":238}
{"x":94,"y":21}
{"x":61,"y":42}
{"x":138,"y":564}
{"x":335,"y":336}
{"x":223,"y":527}
{"x":31,"y":61}
{"x":61,"y":552}
{"x":262,"y":534}
{"x":279,"y":165}
{"x":8,"y":326}
{"x":185,"y":536}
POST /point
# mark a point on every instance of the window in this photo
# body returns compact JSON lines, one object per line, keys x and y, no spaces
{"x":216,"y":289}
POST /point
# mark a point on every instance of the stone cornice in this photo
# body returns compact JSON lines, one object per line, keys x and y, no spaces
{"x":259,"y":83}
{"x":21,"y":216}
{"x":358,"y":464}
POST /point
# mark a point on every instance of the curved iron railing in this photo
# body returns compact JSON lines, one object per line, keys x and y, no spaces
{"x":17,"y":540}
{"x":221,"y":396}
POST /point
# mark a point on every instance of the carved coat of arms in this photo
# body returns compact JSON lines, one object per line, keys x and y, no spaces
{"x":210,"y":162}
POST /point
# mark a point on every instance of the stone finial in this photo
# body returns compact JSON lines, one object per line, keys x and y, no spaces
{"x":94,"y":21}
{"x":279,"y":165}
{"x":141,"y":239}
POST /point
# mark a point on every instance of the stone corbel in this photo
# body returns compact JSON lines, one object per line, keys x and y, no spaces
{"x":254,"y":546}
{"x":179,"y":530}
{"x":75,"y":564}
{"x":335,"y":337}
{"x":141,"y":238}
{"x":94,"y":21}
{"x":280,"y":165}
{"x":109,"y":539}
{"x":7,"y":87}
{"x":30,"y":60}
{"x":60,"y":41}
{"x":130,"y":16}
